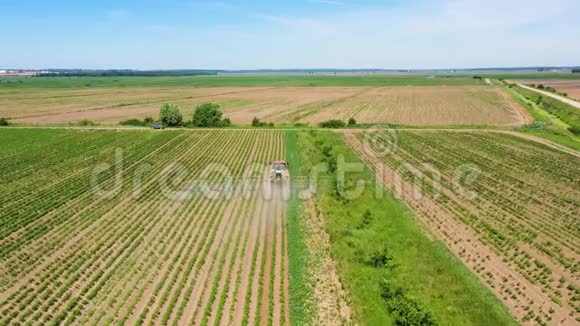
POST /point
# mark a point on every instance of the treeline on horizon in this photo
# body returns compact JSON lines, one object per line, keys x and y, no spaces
{"x":125,"y":73}
{"x":198,"y":72}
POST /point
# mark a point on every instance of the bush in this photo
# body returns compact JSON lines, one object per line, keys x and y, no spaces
{"x":381,"y":258}
{"x":351,"y":122}
{"x":86,"y":123}
{"x":209,"y":115}
{"x":257,"y":123}
{"x":4,"y":122}
{"x":367,"y":219}
{"x":170,"y":116}
{"x":575,"y":130}
{"x":538,"y":125}
{"x":136,"y":122}
{"x":406,"y":310}
{"x":333,"y":124}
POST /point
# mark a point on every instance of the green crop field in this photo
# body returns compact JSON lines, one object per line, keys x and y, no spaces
{"x":516,"y":226}
{"x":152,"y":247}
{"x":144,"y":245}
{"x":277,"y":163}
{"x":15,"y":83}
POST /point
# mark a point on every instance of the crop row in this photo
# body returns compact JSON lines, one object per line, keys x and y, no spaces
{"x":525,"y":206}
{"x":155,"y":258}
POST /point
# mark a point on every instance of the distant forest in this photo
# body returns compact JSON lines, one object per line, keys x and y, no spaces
{"x":576,"y":70}
{"x":125,"y":73}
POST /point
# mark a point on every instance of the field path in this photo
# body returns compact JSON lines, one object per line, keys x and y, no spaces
{"x":566,"y":100}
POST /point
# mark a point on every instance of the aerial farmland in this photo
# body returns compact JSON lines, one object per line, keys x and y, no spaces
{"x":114,"y":223}
{"x":316,"y":162}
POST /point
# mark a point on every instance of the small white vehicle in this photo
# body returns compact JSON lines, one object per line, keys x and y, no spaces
{"x":279,"y":171}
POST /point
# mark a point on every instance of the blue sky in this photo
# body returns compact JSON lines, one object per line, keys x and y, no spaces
{"x":251,"y":34}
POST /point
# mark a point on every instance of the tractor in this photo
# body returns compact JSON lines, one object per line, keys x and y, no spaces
{"x":279,"y":171}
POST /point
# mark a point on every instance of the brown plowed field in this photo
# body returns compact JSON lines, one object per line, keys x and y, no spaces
{"x":515,"y":224}
{"x":570,"y":87}
{"x":409,"y":105}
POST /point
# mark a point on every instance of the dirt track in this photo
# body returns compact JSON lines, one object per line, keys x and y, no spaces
{"x":566,"y":100}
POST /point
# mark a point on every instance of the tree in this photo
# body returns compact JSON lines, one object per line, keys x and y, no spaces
{"x":351,"y":122}
{"x":4,"y":122}
{"x":208,"y":115}
{"x":576,"y":70}
{"x":170,"y":115}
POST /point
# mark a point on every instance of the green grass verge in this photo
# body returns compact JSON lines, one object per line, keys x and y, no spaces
{"x":300,"y":296}
{"x":552,"y":124}
{"x":427,"y":273}
{"x":567,"y":113}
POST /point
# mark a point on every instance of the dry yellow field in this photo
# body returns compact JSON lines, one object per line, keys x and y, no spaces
{"x":408,"y":105}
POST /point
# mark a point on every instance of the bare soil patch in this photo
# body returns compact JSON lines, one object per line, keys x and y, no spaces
{"x":409,"y":105}
{"x":570,"y":87}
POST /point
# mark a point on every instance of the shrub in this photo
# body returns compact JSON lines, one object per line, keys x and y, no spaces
{"x":209,"y":115}
{"x":333,"y":124}
{"x":136,"y":122}
{"x":86,"y":123}
{"x":380,"y":258}
{"x":257,"y":123}
{"x":132,"y":122}
{"x":351,"y":122}
{"x":367,"y":219}
{"x":4,"y":122}
{"x":170,"y":116}
{"x":406,"y":310}
{"x":575,"y":130}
